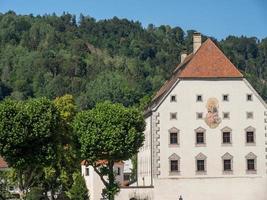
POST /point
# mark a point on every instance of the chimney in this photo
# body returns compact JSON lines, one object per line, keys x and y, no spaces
{"x":183,"y":56}
{"x":196,"y":41}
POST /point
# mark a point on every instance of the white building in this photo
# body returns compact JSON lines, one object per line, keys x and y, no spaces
{"x":93,"y":181}
{"x":206,"y":131}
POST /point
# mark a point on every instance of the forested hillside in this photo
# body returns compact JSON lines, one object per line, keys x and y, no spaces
{"x":113,"y":59}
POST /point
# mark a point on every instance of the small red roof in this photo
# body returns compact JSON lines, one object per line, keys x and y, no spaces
{"x":101,"y":162}
{"x":3,"y":164}
{"x":209,"y":62}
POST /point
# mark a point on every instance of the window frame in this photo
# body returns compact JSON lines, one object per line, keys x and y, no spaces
{"x":250,"y":115}
{"x":248,"y":130}
{"x":173,"y":100}
{"x":201,"y":157}
{"x":87,"y":171}
{"x":177,"y":131}
{"x":199,"y":98}
{"x":174,"y":158}
{"x":199,"y":115}
{"x":227,"y":97}
{"x":223,"y":131}
{"x":251,"y":97}
{"x":173,"y":116}
{"x":251,"y":156}
{"x":227,"y":157}
{"x":197,"y":131}
{"x":226,"y":113}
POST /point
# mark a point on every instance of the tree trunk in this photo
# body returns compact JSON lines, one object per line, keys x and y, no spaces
{"x":111,"y":181}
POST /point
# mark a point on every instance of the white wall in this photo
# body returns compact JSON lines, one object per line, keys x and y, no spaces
{"x":144,"y":158}
{"x":94,"y":183}
{"x":186,"y":108}
{"x":211,"y":189}
{"x":139,"y":193}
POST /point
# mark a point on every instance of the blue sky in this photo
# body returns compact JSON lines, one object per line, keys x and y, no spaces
{"x":217,"y":18}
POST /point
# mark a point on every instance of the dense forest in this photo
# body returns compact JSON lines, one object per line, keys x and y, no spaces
{"x":115,"y":59}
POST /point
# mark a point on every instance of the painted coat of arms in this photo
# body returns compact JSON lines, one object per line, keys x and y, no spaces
{"x":212,"y":118}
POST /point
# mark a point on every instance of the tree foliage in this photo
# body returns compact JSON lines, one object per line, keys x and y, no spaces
{"x":115,"y":59}
{"x":112,"y":133}
{"x":28,"y":137}
{"x":78,"y":191}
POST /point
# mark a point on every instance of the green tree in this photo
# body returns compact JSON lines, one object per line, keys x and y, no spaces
{"x":112,"y":133}
{"x":78,"y":191}
{"x":28,"y":138}
{"x":57,"y":176}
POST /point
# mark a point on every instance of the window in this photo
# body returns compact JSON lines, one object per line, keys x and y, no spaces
{"x":201,"y":163}
{"x":251,"y":162}
{"x":173,"y":115}
{"x":250,"y":137}
{"x":226,"y":115}
{"x":173,"y":98}
{"x":199,"y":115}
{"x":126,"y":177}
{"x":86,"y":171}
{"x":249,"y":97}
{"x":200,"y":138}
{"x":173,"y":138}
{"x":226,"y":137}
{"x":225,"y":97}
{"x":174,"y":160}
{"x":119,"y":171}
{"x":174,"y":165}
{"x":199,"y":98}
{"x":227,"y":165}
{"x":249,"y":115}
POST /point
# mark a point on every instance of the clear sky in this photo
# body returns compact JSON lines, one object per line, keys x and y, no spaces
{"x":217,"y":18}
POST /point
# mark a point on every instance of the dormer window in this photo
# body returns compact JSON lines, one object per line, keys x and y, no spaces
{"x":173,"y":98}
{"x":225,"y":97}
{"x":199,"y":98}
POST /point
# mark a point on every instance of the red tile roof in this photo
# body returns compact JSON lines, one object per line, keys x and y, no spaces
{"x":101,"y":162}
{"x":208,"y":62}
{"x":3,"y":163}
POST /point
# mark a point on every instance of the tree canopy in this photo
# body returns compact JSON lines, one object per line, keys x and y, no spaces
{"x":116,"y":59}
{"x":28,"y":137}
{"x":109,"y":133}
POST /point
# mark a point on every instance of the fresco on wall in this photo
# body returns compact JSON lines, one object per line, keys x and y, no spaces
{"x":212,"y":118}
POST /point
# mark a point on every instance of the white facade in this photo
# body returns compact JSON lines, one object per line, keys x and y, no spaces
{"x":94,"y":183}
{"x":215,"y":183}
